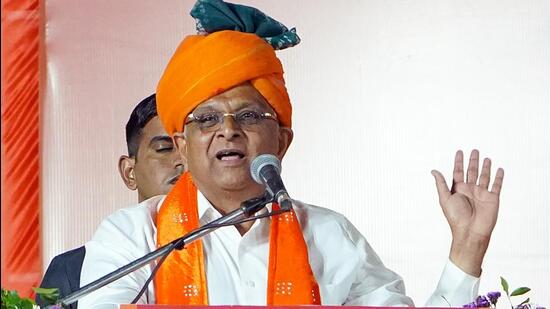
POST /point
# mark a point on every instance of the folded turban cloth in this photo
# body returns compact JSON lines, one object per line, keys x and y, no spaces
{"x":235,"y":45}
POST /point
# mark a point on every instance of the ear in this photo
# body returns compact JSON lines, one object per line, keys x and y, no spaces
{"x":126,"y":166}
{"x":181,"y":145}
{"x":285,"y":139}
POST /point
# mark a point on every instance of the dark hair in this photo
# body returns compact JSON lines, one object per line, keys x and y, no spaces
{"x":142,"y":113}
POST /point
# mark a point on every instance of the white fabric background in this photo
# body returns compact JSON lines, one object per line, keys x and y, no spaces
{"x":383,"y":92}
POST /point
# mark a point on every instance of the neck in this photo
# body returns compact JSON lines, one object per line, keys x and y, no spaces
{"x":225,"y":201}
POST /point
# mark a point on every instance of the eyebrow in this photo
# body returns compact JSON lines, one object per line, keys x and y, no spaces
{"x":160,"y":138}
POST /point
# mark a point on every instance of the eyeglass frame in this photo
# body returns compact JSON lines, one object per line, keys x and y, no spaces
{"x":265,"y":115}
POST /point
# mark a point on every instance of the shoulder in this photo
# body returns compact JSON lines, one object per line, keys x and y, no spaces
{"x":64,"y":271}
{"x":129,"y":222}
{"x":317,"y":218}
{"x":75,"y":254}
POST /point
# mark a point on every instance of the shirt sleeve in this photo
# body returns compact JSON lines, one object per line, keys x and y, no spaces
{"x":455,"y":288}
{"x":115,"y":244}
{"x":376,"y":285}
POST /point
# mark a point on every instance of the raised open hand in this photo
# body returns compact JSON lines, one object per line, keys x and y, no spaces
{"x":470,"y":208}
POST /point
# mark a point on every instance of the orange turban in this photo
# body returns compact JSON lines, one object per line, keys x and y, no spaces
{"x":204,"y":66}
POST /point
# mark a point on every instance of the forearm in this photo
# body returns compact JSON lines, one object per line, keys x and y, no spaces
{"x":467,"y":252}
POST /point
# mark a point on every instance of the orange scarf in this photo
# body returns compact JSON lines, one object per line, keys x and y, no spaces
{"x":182,"y":277}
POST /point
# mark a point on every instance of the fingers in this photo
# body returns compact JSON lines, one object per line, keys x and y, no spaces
{"x":485,"y":174}
{"x":441,"y":185}
{"x":458,"y":172}
{"x":497,"y":184}
{"x":473,"y":167}
{"x":472,"y":173}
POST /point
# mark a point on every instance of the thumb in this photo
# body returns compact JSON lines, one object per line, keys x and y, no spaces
{"x":441,"y":185}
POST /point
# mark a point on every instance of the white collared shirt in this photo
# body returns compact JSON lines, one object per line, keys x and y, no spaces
{"x":346,"y":268}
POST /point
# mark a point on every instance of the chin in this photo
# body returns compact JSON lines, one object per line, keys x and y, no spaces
{"x":236,"y":182}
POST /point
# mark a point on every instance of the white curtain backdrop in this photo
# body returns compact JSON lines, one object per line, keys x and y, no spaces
{"x":383,"y":92}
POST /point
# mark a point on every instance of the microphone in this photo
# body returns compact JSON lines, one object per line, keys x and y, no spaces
{"x":266,"y":169}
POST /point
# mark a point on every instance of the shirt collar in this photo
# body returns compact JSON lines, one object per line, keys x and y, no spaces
{"x":208,"y":213}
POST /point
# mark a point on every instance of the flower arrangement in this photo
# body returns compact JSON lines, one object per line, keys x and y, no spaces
{"x":12,"y":300}
{"x":490,"y":300}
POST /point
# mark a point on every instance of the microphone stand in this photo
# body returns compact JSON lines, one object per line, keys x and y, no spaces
{"x":247,"y":209}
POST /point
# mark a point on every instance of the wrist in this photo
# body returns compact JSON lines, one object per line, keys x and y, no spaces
{"x":467,"y":253}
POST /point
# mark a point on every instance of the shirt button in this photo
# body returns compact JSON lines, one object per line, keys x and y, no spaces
{"x":250,"y":284}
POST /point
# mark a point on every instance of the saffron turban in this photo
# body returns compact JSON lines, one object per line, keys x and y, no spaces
{"x":219,"y":59}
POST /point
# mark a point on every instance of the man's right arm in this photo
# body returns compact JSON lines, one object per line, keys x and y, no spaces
{"x":120,"y":239}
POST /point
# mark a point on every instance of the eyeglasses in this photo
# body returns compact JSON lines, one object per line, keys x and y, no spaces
{"x":211,"y":121}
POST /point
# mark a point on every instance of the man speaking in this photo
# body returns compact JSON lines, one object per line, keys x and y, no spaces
{"x":223,"y":99}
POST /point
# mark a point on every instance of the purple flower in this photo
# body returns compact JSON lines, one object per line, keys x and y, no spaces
{"x":482,"y":302}
{"x":493,"y":297}
{"x":470,"y":305}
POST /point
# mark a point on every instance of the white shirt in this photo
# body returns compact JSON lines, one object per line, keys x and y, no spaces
{"x":346,"y":268}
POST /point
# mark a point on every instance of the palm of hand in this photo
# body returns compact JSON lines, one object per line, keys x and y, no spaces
{"x":473,"y":208}
{"x":470,"y":208}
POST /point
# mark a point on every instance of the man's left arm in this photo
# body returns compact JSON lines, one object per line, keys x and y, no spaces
{"x":471,"y":210}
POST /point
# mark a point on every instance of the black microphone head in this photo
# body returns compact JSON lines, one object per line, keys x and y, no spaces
{"x":260,"y":162}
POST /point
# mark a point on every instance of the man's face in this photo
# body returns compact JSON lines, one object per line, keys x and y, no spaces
{"x":157,"y":165}
{"x":220,"y":160}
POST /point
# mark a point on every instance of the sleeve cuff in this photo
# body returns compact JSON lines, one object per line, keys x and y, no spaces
{"x":455,"y":288}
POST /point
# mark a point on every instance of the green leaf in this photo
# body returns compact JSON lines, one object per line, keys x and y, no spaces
{"x":520,"y":291}
{"x":48,"y":295}
{"x":504,"y":284}
{"x":50,"y":300}
{"x":26,"y":304}
{"x":13,"y":294}
{"x":524,"y":302}
{"x":12,"y":298}
{"x":46,"y":291}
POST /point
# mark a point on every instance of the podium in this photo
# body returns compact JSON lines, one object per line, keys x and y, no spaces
{"x":261,"y":307}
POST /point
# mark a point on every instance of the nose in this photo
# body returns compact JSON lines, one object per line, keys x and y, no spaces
{"x":229,"y":128}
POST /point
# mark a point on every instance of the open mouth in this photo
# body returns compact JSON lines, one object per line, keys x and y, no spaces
{"x":229,"y":154}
